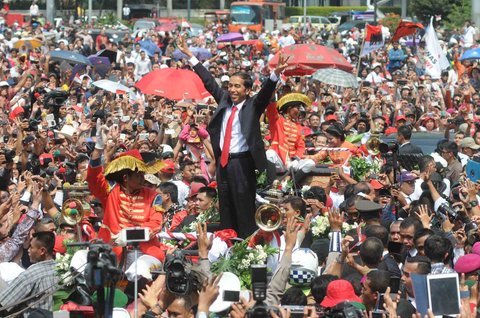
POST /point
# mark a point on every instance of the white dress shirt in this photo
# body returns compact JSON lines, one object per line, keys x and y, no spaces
{"x":238,"y":142}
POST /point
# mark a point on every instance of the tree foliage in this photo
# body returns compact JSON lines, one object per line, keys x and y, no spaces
{"x":460,"y":13}
{"x":424,"y":9}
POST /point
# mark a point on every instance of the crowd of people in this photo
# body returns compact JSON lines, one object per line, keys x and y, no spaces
{"x":80,"y":163}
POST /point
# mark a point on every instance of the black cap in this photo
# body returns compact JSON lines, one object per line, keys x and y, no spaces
{"x":368,"y":209}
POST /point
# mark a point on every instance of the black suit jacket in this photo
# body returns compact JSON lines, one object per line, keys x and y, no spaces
{"x":409,"y":149}
{"x":249,"y":116}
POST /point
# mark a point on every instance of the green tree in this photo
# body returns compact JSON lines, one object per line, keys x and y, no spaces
{"x":424,"y":9}
{"x":460,"y":13}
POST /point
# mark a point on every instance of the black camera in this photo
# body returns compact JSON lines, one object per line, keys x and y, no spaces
{"x":259,"y":291}
{"x":180,"y":279}
{"x":101,"y":265}
{"x":446,"y":211}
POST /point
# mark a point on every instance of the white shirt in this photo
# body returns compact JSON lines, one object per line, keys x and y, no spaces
{"x":374,"y":78}
{"x":34,"y":10}
{"x":126,"y":11}
{"x":238,"y":142}
{"x":285,"y":41}
{"x":468,"y":36}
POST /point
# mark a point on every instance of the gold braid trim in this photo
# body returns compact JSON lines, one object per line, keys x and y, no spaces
{"x":134,"y":164}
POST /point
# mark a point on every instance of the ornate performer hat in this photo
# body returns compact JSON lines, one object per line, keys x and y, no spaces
{"x":293,"y":99}
{"x":132,"y":160}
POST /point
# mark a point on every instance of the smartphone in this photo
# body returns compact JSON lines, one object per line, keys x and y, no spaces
{"x":50,"y":118}
{"x":231,"y":295}
{"x":143,"y":136}
{"x":125,"y":118}
{"x":123,"y":137}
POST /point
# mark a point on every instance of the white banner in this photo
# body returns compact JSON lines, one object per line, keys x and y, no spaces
{"x":435,"y":59}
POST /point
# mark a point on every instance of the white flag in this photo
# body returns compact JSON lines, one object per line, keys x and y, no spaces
{"x":435,"y":60}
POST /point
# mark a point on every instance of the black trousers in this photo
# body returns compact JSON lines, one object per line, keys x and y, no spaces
{"x":236,"y":184}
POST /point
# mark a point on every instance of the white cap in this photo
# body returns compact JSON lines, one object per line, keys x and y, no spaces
{"x":162,"y":66}
{"x":4,"y":83}
{"x":225,"y":78}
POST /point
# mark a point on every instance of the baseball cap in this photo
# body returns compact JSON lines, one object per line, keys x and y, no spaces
{"x":169,"y":167}
{"x":194,"y":187}
{"x":400,"y":117}
{"x":407,"y":176}
{"x":469,"y":142}
{"x":224,"y":78}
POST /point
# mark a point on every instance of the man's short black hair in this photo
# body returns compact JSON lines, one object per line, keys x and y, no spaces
{"x":411,"y":221}
{"x":297,"y":203}
{"x":46,"y":239}
{"x":424,"y":265}
{"x":450,"y":146}
{"x":319,"y":285}
{"x":371,"y":251}
{"x":379,"y":280}
{"x":377,"y":231}
{"x":438,"y":248}
{"x":247,"y":79}
{"x":421,"y":233}
{"x":186,"y":163}
{"x":405,"y":131}
{"x":209,"y":192}
{"x":171,"y":189}
{"x":293,"y":296}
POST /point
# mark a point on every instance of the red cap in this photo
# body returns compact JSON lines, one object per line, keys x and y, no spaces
{"x":169,"y":167}
{"x":390,"y":130}
{"x":331,"y":118}
{"x":44,"y":156}
{"x":376,"y":184}
{"x":401,"y":117}
{"x":194,"y":187}
{"x":339,"y":291}
{"x":15,"y":112}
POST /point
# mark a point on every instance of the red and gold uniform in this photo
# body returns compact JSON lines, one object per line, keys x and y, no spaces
{"x":286,"y":135}
{"x":121,"y":210}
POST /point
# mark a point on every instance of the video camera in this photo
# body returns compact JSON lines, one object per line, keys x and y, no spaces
{"x":101,"y":265}
{"x":180,"y":278}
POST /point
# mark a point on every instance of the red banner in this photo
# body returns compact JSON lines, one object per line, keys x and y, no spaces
{"x":406,"y":28}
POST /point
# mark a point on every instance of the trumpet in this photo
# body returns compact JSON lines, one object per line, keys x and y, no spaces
{"x":269,"y":217}
{"x":72,"y":211}
{"x":373,"y":143}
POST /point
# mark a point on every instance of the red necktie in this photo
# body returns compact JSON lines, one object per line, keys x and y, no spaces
{"x":227,"y":138}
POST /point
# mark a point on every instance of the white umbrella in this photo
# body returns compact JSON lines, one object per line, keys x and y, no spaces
{"x":112,"y":86}
{"x":335,"y":76}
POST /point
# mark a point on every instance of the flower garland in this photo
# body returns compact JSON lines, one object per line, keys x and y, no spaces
{"x":320,"y":227}
{"x":240,"y":258}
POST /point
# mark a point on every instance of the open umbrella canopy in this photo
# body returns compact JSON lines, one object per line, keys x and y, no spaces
{"x":472,"y":54}
{"x":149,"y":47}
{"x":334,"y":76}
{"x":305,"y":59}
{"x":111,"y":86}
{"x":28,"y":42}
{"x":69,"y":57}
{"x":174,"y":84}
{"x":199,"y":52}
{"x":112,"y":55}
{"x":101,"y":64}
{"x":229,"y":37}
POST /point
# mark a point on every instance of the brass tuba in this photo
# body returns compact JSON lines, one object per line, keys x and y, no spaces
{"x":373,"y":143}
{"x":72,"y":211}
{"x":269,"y":217}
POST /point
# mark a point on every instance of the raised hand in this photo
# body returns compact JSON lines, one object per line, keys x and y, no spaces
{"x":282,"y":64}
{"x":183,"y":46}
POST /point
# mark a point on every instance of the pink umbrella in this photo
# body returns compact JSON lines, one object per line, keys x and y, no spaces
{"x":174,"y":84}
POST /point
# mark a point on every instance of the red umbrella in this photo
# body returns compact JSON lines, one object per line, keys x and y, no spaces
{"x":167,"y":27}
{"x":172,"y":83}
{"x":305,"y":59}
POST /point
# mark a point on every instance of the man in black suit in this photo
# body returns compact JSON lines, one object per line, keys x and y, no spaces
{"x":237,"y":143}
{"x":404,"y":134}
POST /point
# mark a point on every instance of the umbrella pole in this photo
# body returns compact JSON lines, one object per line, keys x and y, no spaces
{"x":360,"y":56}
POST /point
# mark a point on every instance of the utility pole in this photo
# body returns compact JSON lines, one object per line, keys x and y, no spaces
{"x":188,"y":9}
{"x":304,"y":17}
{"x":51,"y":11}
{"x":404,"y":9}
{"x":375,"y":12}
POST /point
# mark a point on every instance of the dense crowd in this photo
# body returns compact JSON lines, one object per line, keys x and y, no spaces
{"x":86,"y":151}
